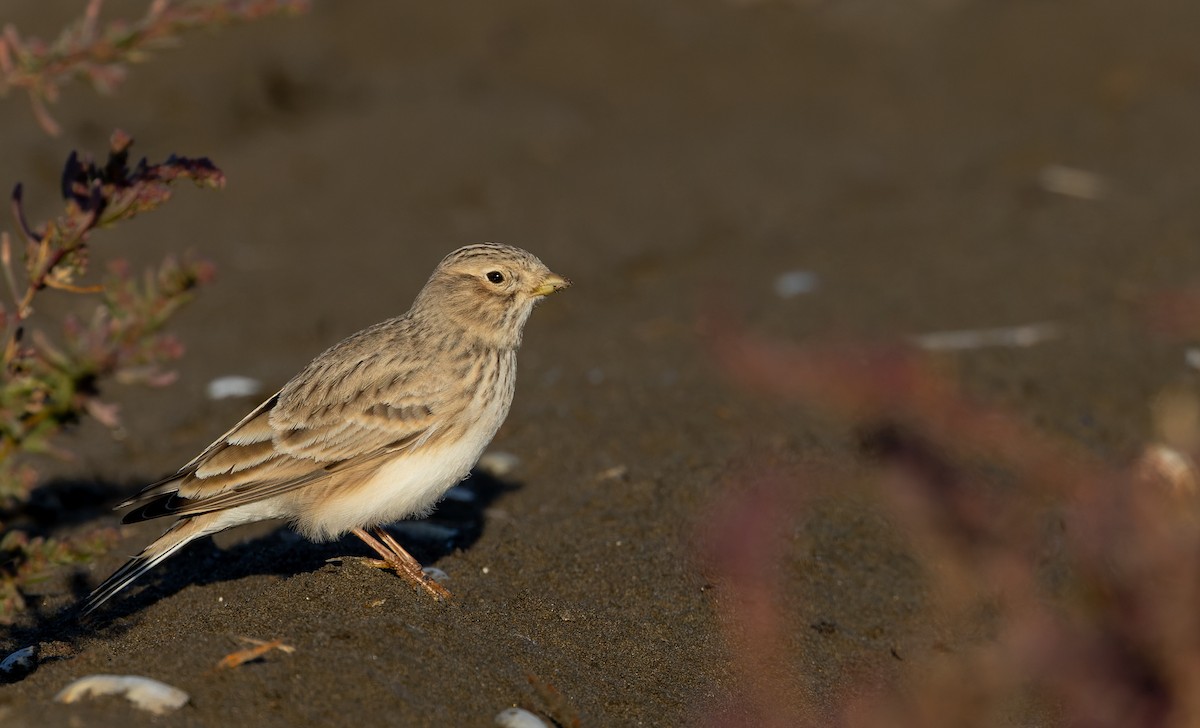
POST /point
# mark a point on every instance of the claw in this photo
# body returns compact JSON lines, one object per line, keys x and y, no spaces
{"x":400,"y":561}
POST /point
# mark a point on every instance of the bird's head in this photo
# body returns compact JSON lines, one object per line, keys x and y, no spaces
{"x":490,"y":289}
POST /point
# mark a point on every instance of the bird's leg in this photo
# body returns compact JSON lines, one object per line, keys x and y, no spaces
{"x":400,"y":561}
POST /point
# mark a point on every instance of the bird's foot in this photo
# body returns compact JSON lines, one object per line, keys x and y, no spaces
{"x":401,"y":562}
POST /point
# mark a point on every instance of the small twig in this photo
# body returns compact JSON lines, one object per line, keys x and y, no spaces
{"x":91,"y":16}
{"x":97,"y":288}
{"x":6,"y":263}
{"x":18,"y":195}
{"x":260,"y":648}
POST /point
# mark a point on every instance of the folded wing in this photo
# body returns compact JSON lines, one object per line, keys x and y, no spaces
{"x":300,"y":436}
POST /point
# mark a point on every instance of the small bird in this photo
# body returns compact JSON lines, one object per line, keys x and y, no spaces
{"x":375,"y":429}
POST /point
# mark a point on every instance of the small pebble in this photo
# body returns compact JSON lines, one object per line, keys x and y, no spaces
{"x":595,"y":375}
{"x":1167,"y":467}
{"x":151,"y":695}
{"x":435,"y":573}
{"x":460,"y":494}
{"x":20,"y":662}
{"x":1071,"y":182}
{"x":617,"y":472}
{"x":795,"y":283}
{"x":1010,"y":336}
{"x":426,"y":531}
{"x":233,"y":386}
{"x":498,"y":463}
{"x":519,"y":718}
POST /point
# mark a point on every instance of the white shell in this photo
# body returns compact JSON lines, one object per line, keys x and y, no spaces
{"x":147,"y":694}
{"x":519,"y":718}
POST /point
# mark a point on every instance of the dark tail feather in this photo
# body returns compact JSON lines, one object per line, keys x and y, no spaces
{"x":151,"y":556}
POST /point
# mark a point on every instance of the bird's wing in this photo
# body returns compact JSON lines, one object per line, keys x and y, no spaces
{"x":331,"y":419}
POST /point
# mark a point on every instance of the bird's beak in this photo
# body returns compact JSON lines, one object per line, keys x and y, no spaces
{"x":550,"y":284}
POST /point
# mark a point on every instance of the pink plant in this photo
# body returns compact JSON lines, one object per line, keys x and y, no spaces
{"x":100,"y":53}
{"x":1115,"y":643}
{"x":49,"y":381}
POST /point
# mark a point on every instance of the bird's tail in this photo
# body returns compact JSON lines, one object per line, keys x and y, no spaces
{"x":176,"y":537}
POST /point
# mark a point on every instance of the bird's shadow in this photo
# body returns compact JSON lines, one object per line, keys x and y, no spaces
{"x":456,"y":524}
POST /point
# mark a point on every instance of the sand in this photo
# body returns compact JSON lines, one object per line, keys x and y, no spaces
{"x":672,"y":158}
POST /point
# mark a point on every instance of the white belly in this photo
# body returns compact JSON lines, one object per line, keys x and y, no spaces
{"x":414,"y":481}
{"x":408,"y":486}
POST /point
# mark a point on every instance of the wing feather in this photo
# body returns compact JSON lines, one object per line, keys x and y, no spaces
{"x":339,"y":417}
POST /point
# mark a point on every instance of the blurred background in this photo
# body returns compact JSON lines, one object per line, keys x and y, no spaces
{"x":663,"y":154}
{"x":845,"y":168}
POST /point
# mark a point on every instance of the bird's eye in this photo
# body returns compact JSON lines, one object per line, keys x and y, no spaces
{"x":495,"y":276}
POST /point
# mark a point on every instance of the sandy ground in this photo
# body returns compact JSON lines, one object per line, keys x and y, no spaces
{"x":665,"y":156}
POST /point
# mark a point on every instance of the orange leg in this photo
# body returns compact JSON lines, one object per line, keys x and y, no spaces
{"x":400,"y":561}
